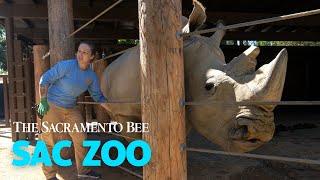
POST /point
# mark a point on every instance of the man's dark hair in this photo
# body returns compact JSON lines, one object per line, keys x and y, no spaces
{"x":91,"y":45}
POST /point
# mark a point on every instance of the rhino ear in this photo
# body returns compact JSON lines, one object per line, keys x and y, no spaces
{"x":218,"y":35}
{"x":245,"y":63}
{"x":184,"y":21}
{"x":196,"y":18}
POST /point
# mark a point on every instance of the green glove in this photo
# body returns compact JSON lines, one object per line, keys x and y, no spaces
{"x":43,"y":107}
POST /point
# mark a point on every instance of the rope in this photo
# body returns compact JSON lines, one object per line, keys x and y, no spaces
{"x":257,"y":156}
{"x":250,"y":23}
{"x":112,"y":55}
{"x":46,"y":55}
{"x":125,"y":169}
{"x":292,"y":103}
{"x":103,"y":12}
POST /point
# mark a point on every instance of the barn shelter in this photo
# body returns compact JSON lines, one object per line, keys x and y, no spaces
{"x":35,"y":26}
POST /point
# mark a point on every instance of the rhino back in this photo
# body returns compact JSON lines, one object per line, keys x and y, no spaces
{"x":121,"y":82}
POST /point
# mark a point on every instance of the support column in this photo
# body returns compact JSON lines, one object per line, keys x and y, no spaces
{"x":60,"y":16}
{"x":40,"y":67}
{"x":60,"y":21}
{"x":11,"y":74}
{"x":162,"y":80}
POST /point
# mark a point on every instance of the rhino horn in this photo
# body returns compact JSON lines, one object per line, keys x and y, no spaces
{"x":268,"y":81}
{"x":197,"y":17}
{"x":245,"y":63}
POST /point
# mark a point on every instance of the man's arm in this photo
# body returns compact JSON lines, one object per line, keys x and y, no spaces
{"x":43,"y":91}
{"x":44,"y":106}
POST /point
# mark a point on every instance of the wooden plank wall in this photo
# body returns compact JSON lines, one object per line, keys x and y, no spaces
{"x":20,"y":94}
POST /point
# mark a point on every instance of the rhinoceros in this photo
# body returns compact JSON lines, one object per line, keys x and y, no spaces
{"x":208,"y":77}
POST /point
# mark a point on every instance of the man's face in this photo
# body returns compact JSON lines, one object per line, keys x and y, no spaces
{"x":84,"y":54}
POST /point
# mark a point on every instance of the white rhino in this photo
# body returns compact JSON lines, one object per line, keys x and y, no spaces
{"x":237,"y":128}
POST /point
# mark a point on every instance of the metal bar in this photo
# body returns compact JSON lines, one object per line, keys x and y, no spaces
{"x":125,"y":169}
{"x":115,"y":54}
{"x":294,"y":103}
{"x":251,"y":23}
{"x":257,"y":156}
{"x":109,"y":102}
{"x":119,"y":135}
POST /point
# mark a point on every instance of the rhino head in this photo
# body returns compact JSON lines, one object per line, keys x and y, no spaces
{"x":238,"y":128}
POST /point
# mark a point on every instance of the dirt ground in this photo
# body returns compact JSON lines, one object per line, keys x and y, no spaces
{"x":297,"y":136}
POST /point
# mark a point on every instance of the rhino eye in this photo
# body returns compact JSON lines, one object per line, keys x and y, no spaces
{"x":209,"y":86}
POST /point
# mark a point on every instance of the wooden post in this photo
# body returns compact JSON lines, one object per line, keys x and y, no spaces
{"x":10,"y":59}
{"x":102,"y":115}
{"x":89,"y":108}
{"x":28,"y":86}
{"x":6,"y":100}
{"x":19,"y":85}
{"x":60,"y":21}
{"x":60,"y":16}
{"x":162,"y":80}
{"x":40,"y":67}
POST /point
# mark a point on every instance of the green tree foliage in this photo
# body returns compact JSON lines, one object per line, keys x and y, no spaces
{"x":128,"y":41}
{"x":285,"y":43}
{"x":3,"y":56}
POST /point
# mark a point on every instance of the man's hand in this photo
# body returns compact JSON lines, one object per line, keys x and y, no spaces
{"x":43,"y":107}
{"x":105,"y":106}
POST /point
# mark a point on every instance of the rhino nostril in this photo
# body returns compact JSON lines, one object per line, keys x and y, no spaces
{"x":253,"y":140}
{"x":240,"y":133}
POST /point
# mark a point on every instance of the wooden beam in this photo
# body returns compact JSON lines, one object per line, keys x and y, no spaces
{"x":281,"y":29}
{"x":35,"y":1}
{"x":7,"y":1}
{"x":24,"y":11}
{"x":28,"y":23}
{"x":103,"y":34}
{"x":266,"y":29}
{"x":2,"y":22}
{"x":162,"y":81}
{"x":39,"y":11}
{"x":250,"y":29}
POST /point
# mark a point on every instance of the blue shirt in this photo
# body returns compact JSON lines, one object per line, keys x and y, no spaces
{"x":66,"y":81}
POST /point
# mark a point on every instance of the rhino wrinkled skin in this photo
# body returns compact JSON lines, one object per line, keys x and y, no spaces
{"x":208,"y":78}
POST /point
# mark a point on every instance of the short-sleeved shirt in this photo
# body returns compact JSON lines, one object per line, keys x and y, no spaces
{"x":66,"y":81}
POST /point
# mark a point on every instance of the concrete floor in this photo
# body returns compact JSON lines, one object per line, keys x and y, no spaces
{"x":295,"y":140}
{"x":10,"y":172}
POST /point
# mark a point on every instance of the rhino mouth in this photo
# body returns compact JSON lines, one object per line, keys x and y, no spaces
{"x":243,"y":135}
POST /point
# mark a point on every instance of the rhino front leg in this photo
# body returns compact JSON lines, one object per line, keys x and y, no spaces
{"x":124,"y":121}
{"x":131,"y":135}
